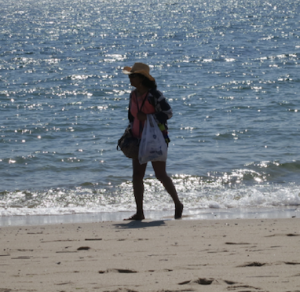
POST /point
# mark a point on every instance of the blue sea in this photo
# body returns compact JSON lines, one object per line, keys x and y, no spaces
{"x":229,"y":69}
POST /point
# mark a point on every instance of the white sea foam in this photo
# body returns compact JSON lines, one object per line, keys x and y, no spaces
{"x":194,"y":197}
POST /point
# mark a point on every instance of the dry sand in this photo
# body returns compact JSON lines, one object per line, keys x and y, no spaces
{"x":162,"y":255}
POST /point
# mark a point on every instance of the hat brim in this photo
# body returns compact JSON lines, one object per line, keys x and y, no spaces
{"x":127,"y":71}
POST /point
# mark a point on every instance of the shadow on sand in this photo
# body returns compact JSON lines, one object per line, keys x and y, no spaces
{"x":140,"y":224}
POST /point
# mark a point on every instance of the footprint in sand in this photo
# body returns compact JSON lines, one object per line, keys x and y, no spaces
{"x":83,"y":248}
{"x":200,"y":281}
{"x":252,"y":264}
{"x":122,"y":271}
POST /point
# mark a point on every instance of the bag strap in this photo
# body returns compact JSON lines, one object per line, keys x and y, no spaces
{"x":137,"y":104}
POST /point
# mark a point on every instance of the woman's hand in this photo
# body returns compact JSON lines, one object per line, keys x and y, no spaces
{"x":141,"y":116}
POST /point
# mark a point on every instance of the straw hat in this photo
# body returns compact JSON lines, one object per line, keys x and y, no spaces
{"x":139,"y":68}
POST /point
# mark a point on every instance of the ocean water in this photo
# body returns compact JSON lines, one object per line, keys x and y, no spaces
{"x":230,"y":70}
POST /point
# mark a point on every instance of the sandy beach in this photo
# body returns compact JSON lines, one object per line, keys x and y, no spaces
{"x":153,"y":255}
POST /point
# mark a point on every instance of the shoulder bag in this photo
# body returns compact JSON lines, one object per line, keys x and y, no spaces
{"x":128,"y":144}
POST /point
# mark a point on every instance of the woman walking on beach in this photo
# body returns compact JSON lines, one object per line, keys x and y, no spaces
{"x":144,"y":100}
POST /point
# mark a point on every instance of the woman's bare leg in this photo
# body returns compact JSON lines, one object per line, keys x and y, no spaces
{"x":161,"y":174}
{"x":138,"y":188}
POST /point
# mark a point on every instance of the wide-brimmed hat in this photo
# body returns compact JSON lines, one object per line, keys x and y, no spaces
{"x":139,"y":68}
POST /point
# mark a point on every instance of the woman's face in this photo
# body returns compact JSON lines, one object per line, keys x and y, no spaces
{"x":135,"y":79}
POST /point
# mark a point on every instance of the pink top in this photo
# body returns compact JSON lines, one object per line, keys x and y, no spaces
{"x":146,"y":109}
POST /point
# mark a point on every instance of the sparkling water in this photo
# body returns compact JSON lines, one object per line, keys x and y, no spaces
{"x":230,"y":70}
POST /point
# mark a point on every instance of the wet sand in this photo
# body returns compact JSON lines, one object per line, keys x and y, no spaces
{"x":196,"y":214}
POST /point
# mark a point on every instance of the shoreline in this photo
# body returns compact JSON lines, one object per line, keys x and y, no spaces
{"x":197,"y":214}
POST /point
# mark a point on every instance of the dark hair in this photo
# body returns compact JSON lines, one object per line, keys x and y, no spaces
{"x":147,"y":82}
